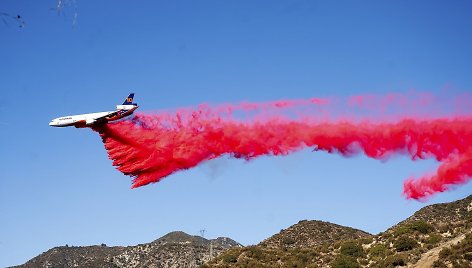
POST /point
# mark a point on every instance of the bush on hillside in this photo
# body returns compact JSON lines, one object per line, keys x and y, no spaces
{"x":414,"y":227}
{"x":434,"y":238}
{"x":421,"y":226}
{"x":254,"y":252}
{"x":343,"y":261}
{"x":404,"y":243}
{"x":379,"y":250}
{"x":394,"y":261}
{"x":352,"y":248}
{"x":229,"y":258}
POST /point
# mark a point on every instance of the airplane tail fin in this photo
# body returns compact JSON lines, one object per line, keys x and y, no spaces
{"x":129,"y":100}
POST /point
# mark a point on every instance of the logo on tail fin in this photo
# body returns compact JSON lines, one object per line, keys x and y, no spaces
{"x":129,"y":99}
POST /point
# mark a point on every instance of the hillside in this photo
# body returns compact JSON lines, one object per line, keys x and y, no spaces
{"x":311,"y":234}
{"x":176,"y":249}
{"x":436,"y":236}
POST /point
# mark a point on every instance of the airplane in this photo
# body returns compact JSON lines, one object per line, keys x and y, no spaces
{"x":93,"y":119}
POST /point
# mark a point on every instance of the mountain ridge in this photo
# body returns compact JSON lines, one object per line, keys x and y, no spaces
{"x":438,"y":235}
{"x":175,"y":249}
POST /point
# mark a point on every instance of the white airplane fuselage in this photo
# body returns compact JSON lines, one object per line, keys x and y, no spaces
{"x":72,"y":120}
{"x":92,"y":119}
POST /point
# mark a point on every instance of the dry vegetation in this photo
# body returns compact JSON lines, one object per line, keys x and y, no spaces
{"x":321,"y":244}
{"x":435,"y":236}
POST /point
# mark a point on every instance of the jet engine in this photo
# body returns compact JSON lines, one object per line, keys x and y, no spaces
{"x":89,"y":121}
{"x":125,"y":107}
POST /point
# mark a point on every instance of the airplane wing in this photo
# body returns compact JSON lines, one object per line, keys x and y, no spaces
{"x":101,"y":119}
{"x":109,"y":116}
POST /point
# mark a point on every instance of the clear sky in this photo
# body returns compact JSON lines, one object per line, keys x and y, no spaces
{"x":58,"y":187}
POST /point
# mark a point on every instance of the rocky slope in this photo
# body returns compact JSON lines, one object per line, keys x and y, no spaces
{"x":176,"y":249}
{"x":436,"y":236}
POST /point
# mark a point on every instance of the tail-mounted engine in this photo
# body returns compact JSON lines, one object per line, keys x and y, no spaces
{"x":125,"y":107}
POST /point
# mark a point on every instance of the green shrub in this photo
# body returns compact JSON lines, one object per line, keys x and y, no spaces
{"x":416,"y":226}
{"x":254,"y":252}
{"x":352,"y":248}
{"x":343,"y":261}
{"x":401,"y":230}
{"x":229,"y":258}
{"x":379,"y":250}
{"x":421,"y":226}
{"x":467,"y":242}
{"x":288,"y":241}
{"x":445,"y":253}
{"x":366,"y":240}
{"x":253,"y":263}
{"x":303,"y":257}
{"x":444,"y":228}
{"x":434,"y":239}
{"x":439,"y":264}
{"x":404,"y":243}
{"x":394,"y":261}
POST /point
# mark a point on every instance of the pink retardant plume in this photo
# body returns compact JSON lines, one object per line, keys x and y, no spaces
{"x":149,"y":147}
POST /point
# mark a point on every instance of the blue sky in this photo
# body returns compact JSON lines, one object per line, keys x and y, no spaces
{"x":58,"y":187}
